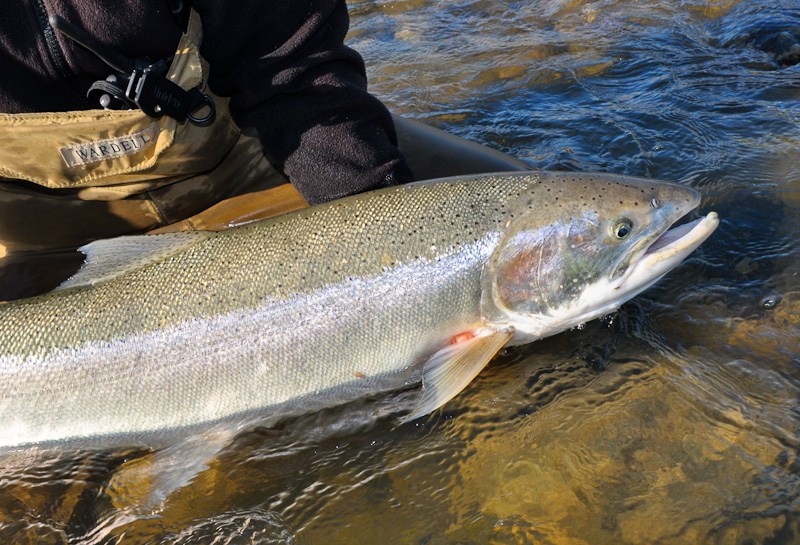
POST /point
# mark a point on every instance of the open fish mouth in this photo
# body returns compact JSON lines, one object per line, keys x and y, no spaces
{"x":684,"y":238}
{"x":669,"y":250}
{"x":685,"y":234}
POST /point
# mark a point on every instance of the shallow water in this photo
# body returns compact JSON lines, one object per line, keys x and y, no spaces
{"x":674,"y":421}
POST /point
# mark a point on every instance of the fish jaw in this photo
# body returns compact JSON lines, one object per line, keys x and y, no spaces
{"x":666,"y":253}
{"x":552,"y":272}
{"x":607,"y":295}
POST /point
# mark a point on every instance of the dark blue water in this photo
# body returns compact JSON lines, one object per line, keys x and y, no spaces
{"x":675,"y":421}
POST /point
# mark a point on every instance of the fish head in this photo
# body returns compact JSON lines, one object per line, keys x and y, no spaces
{"x":579,"y":246}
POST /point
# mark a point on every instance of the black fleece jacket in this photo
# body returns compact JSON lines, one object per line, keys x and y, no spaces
{"x":282,"y":62}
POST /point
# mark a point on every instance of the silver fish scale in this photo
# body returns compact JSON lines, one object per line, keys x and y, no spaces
{"x":282,"y":316}
{"x":361,"y":237}
{"x":303,"y":311}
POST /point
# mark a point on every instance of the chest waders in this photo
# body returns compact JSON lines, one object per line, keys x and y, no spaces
{"x":67,"y":178}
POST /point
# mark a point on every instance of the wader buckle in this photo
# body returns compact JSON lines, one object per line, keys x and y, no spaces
{"x":156,"y":95}
{"x":140,"y":83}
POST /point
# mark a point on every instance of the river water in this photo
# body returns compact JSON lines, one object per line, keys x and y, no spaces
{"x":674,"y":421}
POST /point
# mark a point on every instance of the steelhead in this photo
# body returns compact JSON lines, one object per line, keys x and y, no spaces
{"x":161,"y":335}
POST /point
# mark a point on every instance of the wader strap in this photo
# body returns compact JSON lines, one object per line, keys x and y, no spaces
{"x":140,"y":82}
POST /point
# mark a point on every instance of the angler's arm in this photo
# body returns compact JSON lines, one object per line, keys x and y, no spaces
{"x":290,"y":77}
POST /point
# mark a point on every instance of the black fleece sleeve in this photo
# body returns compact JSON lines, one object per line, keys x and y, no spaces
{"x":292,"y":79}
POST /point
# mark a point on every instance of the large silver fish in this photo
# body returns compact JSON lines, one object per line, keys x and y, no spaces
{"x":160,"y":335}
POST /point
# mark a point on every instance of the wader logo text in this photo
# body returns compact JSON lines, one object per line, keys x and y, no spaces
{"x":110,"y":148}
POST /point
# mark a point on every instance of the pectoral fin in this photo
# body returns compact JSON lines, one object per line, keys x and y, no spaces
{"x":450,"y":369}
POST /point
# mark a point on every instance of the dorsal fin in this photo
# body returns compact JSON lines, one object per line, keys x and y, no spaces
{"x":109,"y":258}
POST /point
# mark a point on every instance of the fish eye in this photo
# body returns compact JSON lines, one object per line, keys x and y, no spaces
{"x":623,"y":228}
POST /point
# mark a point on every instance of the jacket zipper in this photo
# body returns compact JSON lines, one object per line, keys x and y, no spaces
{"x":57,"y":58}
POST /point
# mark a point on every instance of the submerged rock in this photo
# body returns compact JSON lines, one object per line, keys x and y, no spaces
{"x":777,"y":34}
{"x":781,"y":40}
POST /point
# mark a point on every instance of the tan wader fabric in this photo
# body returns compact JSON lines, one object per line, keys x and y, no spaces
{"x":70,"y":177}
